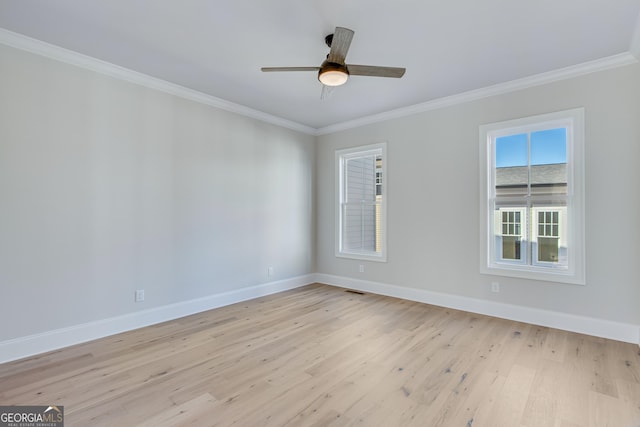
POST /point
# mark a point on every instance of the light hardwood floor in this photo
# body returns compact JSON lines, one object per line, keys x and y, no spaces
{"x":321,"y":356}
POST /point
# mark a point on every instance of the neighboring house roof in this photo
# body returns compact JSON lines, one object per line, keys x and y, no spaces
{"x":540,"y":174}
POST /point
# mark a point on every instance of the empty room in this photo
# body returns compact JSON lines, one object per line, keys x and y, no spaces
{"x":320,"y":213}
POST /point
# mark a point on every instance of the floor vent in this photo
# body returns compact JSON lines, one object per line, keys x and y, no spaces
{"x":352,"y":291}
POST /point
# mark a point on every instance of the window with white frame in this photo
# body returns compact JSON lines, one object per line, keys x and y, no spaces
{"x":361,"y":202}
{"x":532,"y":194}
{"x":510,"y":230}
{"x":547,"y":235}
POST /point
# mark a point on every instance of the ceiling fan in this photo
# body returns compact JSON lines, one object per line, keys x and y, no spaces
{"x":334,"y":71}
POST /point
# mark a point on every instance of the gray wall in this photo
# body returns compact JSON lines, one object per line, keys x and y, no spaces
{"x":433,"y":238}
{"x":107,"y":187}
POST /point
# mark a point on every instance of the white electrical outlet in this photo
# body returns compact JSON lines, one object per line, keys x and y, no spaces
{"x":361,"y":268}
{"x":139,"y":295}
{"x":495,"y":287}
{"x":270,"y":271}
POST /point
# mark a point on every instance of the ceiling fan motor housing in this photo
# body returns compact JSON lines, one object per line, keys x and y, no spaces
{"x":328,"y":39}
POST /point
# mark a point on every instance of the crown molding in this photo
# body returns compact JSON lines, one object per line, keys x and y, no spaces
{"x":39,"y":47}
{"x":57,"y":53}
{"x":498,"y":89}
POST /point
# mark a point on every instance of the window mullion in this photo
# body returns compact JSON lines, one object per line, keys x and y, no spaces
{"x":528,"y":213}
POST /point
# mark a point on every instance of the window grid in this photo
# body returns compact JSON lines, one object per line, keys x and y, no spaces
{"x":548,"y":223}
{"x":511,"y":223}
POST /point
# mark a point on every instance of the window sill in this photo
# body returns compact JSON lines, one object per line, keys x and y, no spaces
{"x":532,"y":273}
{"x":361,"y":257}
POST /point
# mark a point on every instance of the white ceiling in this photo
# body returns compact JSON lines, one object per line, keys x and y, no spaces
{"x":218,"y":46}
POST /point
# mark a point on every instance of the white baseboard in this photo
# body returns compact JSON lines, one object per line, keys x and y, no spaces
{"x":585,"y":325}
{"x":22,"y":347}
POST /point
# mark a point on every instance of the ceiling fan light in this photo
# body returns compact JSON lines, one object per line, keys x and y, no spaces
{"x":333,"y":74}
{"x":333,"y":78}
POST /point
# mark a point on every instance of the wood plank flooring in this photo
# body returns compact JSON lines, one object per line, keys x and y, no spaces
{"x":321,"y":356}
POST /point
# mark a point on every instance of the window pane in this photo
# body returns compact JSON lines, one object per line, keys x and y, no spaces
{"x":548,"y":249}
{"x":511,"y":151}
{"x":359,"y":227}
{"x":549,"y":161}
{"x":360,"y":179}
{"x":511,"y":173}
{"x":379,"y":176}
{"x":511,"y":248}
{"x":549,"y":147}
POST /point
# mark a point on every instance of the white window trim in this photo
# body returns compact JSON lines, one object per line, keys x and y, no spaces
{"x":340,"y":154}
{"x":575,"y":273}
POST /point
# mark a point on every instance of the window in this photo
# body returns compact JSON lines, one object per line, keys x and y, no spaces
{"x":532,"y":197}
{"x":547,"y":238}
{"x":361,"y":203}
{"x":511,"y":232}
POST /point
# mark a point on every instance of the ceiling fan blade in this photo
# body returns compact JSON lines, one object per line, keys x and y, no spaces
{"x":269,"y":69}
{"x":373,"y":71}
{"x":326,"y":92}
{"x":340,"y":45}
